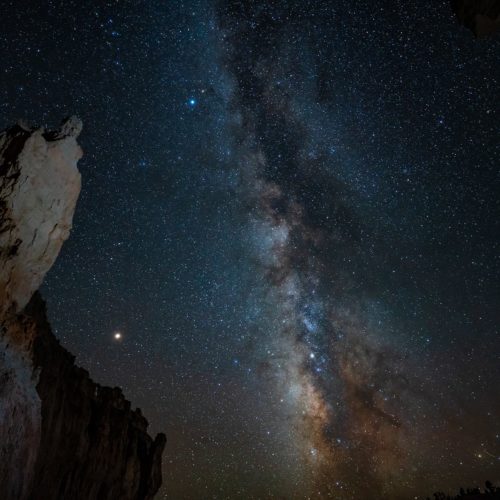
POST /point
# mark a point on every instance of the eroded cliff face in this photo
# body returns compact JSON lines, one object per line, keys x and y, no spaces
{"x":39,"y":186}
{"x":61,"y":434}
{"x":93,"y":445}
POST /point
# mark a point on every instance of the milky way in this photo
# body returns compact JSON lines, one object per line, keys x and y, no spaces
{"x":354,"y":401}
{"x":337,"y":380}
{"x":290,"y":213}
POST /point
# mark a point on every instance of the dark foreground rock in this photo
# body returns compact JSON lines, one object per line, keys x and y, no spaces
{"x":482,"y":17}
{"x":92,"y":444}
{"x":62,"y":436}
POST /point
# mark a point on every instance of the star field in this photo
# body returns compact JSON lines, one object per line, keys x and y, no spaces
{"x":290,"y":217}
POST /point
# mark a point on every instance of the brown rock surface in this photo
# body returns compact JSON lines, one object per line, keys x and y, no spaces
{"x":39,"y":186}
{"x":61,"y":435}
{"x":98,"y":446}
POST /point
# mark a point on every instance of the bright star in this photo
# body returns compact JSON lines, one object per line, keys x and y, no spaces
{"x":117,"y":336}
{"x":192,"y":102}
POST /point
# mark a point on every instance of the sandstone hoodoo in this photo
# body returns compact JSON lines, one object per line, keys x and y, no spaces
{"x":61,"y":434}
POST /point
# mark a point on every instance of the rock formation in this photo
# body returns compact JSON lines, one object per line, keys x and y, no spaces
{"x":480,"y":16}
{"x":62,"y":435}
{"x":39,"y":186}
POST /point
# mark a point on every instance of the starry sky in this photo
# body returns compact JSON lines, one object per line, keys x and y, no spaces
{"x":290,"y":212}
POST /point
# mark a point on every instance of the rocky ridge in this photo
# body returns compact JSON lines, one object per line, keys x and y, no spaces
{"x":61,"y":434}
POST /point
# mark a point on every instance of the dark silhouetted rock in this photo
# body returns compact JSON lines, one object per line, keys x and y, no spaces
{"x":480,"y":16}
{"x":62,"y":436}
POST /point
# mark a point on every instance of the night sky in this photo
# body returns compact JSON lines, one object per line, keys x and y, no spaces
{"x":290,"y":211}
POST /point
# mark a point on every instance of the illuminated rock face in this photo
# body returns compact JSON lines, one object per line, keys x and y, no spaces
{"x":61,"y":434}
{"x":39,"y":186}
